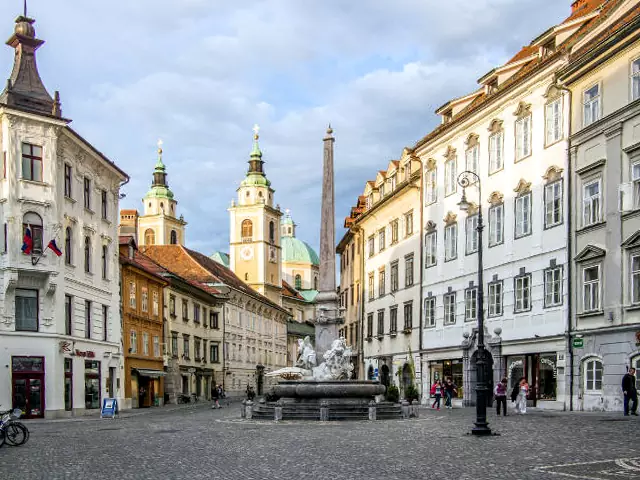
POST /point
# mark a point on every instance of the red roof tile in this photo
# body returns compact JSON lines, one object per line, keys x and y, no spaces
{"x":524,"y":52}
{"x":580,"y":8}
{"x":289,"y":291}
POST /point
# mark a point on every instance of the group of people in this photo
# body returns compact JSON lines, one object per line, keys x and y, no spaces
{"x":217,"y":392}
{"x":448,"y":389}
{"x":520,"y":393}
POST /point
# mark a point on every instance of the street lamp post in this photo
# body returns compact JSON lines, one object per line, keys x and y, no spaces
{"x":466,"y":179}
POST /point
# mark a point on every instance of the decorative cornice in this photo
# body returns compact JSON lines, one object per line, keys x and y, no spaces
{"x":496,"y":198}
{"x":495,"y":126}
{"x":523,"y":110}
{"x":552,"y":174}
{"x":472,"y":140}
{"x":523,"y":187}
{"x":451,"y":218}
{"x":450,"y":153}
{"x":430,"y":226}
{"x":431,"y":164}
{"x":472,"y":209}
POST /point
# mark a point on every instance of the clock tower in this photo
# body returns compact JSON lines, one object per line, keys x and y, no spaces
{"x":255,"y":248}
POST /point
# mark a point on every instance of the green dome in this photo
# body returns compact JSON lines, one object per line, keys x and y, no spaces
{"x":159,"y":192}
{"x":286,"y":220}
{"x":255,"y":180}
{"x":297,"y":251}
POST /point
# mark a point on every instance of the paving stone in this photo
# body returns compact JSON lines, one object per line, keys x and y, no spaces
{"x":201,"y":443}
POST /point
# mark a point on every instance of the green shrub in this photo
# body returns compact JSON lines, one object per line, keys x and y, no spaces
{"x":411,"y":393}
{"x":393,"y":394}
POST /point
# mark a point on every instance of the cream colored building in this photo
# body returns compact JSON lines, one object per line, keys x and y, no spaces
{"x":388,"y":229}
{"x":603,"y":77}
{"x":350,"y":290}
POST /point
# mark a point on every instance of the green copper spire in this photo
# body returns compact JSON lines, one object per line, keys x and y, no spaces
{"x":256,"y":175}
{"x":159,"y":187}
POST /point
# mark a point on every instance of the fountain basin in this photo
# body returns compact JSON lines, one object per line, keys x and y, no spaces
{"x":328,"y":389}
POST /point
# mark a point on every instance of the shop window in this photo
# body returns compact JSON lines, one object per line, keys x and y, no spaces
{"x":68,"y":384}
{"x":91,"y":384}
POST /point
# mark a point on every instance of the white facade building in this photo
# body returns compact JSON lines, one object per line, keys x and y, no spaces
{"x":391,"y":296}
{"x":60,"y":333}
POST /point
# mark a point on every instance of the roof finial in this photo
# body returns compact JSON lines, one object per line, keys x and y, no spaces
{"x":25,"y":8}
{"x":160,"y":143}
{"x":159,"y":164}
{"x":256,"y":130}
{"x":256,"y":147}
{"x":329,"y":129}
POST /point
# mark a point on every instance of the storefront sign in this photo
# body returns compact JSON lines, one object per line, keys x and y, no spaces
{"x":578,"y":343}
{"x":66,"y":347}
{"x":109,"y":408}
{"x":87,"y":354}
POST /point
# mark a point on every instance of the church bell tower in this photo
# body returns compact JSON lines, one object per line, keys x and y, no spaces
{"x":255,"y":248}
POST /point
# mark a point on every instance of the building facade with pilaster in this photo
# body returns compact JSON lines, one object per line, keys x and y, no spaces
{"x":60,"y":301}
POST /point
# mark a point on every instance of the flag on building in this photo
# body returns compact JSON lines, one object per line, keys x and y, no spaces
{"x":54,"y":248}
{"x":27,"y":241}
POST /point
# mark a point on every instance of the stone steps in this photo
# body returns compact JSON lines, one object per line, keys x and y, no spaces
{"x":336,"y":411}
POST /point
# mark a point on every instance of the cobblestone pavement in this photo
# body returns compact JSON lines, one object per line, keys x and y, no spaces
{"x":200,"y":443}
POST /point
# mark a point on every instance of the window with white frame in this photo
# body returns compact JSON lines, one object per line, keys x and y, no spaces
{"x":591,"y":105}
{"x":553,"y":116}
{"x":430,"y":312}
{"x":449,"y":308}
{"x":393,"y":182}
{"x":145,"y":343}
{"x":431,"y":193}
{"x":133,"y":342}
{"x":431,"y":249}
{"x":381,"y":240}
{"x":394,"y":276}
{"x":495,"y":299}
{"x":450,"y":176}
{"x":372,"y":250}
{"x":471,"y":304}
{"x":372,"y":294}
{"x":496,"y":152}
{"x":635,"y":178}
{"x":450,"y":242}
{"x":496,"y":225}
{"x":522,"y":293}
{"x":393,"y":319}
{"x":380,"y":323}
{"x":472,"y":157}
{"x":523,"y":137}
{"x":381,"y":190}
{"x":635,"y":278}
{"x":472,"y":234}
{"x":553,"y":286}
{"x":382,"y":280}
{"x":408,"y":224}
{"x":591,"y":203}
{"x":591,"y":288}
{"x":593,"y":375}
{"x":132,"y":295}
{"x":408,"y":270}
{"x":635,"y":79}
{"x":394,"y":231}
{"x":523,"y":215}
{"x":553,"y":204}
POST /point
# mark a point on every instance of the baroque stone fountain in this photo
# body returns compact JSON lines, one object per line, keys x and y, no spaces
{"x":310,"y":391}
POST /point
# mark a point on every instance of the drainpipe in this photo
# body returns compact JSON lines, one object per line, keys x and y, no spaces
{"x":569,"y":196}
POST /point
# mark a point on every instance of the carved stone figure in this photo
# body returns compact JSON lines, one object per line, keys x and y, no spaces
{"x":337,"y":362}
{"x":307,"y":356}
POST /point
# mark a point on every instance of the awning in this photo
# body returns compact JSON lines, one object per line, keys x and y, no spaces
{"x":145,"y":372}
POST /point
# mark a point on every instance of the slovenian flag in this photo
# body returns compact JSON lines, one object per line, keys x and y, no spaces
{"x":27,"y":242}
{"x":54,"y":248}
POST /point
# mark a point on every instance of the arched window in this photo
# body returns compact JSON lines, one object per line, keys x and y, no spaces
{"x":593,"y":371}
{"x":33,"y":222}
{"x":247,"y":230}
{"x":87,"y":254}
{"x":315,"y":283}
{"x":272,"y":232}
{"x":105,"y":262}
{"x":67,"y":246}
{"x":298,"y":282}
{"x":149,"y":237}
{"x":174,"y":237}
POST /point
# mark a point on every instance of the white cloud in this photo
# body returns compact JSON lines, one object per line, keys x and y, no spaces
{"x":200,"y":73}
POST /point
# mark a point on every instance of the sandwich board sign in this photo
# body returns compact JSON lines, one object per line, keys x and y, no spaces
{"x":109,"y":408}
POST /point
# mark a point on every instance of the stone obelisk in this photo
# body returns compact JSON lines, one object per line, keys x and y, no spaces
{"x":328,"y":317}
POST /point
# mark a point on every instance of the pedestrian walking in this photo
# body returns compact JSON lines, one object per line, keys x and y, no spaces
{"x":436,"y":390}
{"x":630,"y":392}
{"x":500,"y":393}
{"x":215,"y":395}
{"x":521,"y":400}
{"x":449,"y":390}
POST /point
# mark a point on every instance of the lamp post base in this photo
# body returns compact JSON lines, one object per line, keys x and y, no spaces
{"x":481,"y":429}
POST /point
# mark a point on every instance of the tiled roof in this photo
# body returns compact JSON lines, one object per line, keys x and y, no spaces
{"x":131,"y":211}
{"x":125,"y":239}
{"x":524,"y":52}
{"x":144,"y":263}
{"x":195,"y":266}
{"x":580,"y":8}
{"x":289,"y":291}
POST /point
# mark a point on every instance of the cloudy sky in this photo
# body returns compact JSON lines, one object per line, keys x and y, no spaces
{"x":200,"y":73}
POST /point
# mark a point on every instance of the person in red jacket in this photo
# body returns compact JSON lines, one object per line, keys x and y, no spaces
{"x":436,"y":391}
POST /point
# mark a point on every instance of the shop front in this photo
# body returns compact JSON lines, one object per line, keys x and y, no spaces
{"x":444,"y":369}
{"x":540,"y":370}
{"x":149,"y":385}
{"x":28,"y":385}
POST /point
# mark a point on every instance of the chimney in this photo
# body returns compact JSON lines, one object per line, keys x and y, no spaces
{"x":577,"y":5}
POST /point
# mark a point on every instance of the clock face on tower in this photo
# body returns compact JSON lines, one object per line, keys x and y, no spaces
{"x":246,"y":253}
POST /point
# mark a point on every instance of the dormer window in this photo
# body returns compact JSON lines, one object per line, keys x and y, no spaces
{"x":381,"y":189}
{"x":370,"y":201}
{"x":393,"y":182}
{"x":407,"y":170}
{"x":447,"y":116}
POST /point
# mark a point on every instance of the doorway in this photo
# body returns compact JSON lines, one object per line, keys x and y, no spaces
{"x":28,"y":385}
{"x":384,"y":375}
